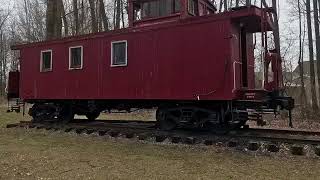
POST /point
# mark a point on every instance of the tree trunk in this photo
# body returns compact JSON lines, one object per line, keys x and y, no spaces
{"x":248,"y":3}
{"x":104,"y":16}
{"x":317,"y":34}
{"x":237,"y":3}
{"x":82,"y":17}
{"x":58,"y":19}
{"x":300,"y":63}
{"x":2,"y":52}
{"x":94,"y":22}
{"x":122,"y":14}
{"x":98,"y":16}
{"x":75,"y":16}
{"x":230,"y":3}
{"x":3,"y":56}
{"x":220,"y":6}
{"x":118,"y":14}
{"x":50,"y":20}
{"x":64,"y":18}
{"x":276,"y":33}
{"x":26,"y":11}
{"x":312,"y":73}
{"x":319,"y":7}
{"x":54,"y":23}
{"x":4,"y":69}
{"x":225,"y":3}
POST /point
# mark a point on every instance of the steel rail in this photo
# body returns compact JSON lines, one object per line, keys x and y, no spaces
{"x":148,"y":127}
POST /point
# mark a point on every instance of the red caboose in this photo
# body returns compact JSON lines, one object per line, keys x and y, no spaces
{"x":195,"y":66}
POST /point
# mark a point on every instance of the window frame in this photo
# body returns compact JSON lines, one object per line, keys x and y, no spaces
{"x":81,"y":60}
{"x":194,"y":13}
{"x":126,"y":60}
{"x":173,"y":4}
{"x":41,"y":61}
{"x":202,"y":9}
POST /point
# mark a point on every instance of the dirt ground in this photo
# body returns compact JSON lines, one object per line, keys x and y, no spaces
{"x":282,"y":121}
{"x":39,"y":154}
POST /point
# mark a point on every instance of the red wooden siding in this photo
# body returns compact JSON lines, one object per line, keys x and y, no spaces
{"x":186,"y":60}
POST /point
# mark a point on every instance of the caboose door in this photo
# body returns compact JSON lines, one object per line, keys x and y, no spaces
{"x":13,"y":85}
{"x":243,"y":57}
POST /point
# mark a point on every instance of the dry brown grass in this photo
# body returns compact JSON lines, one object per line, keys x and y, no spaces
{"x":37,"y":154}
{"x":282,"y":121}
{"x":43,"y":155}
{"x":142,"y":115}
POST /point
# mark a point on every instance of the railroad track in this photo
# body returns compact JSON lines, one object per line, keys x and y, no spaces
{"x":251,"y":138}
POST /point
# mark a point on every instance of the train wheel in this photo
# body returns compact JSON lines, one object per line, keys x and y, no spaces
{"x":66,"y":114}
{"x":243,"y":118}
{"x":42,"y":112}
{"x":92,"y":116}
{"x":164,"y":120}
{"x":239,"y":120}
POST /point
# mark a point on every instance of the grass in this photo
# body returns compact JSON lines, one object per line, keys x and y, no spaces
{"x":32,"y":154}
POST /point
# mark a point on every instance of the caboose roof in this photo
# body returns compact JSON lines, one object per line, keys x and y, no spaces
{"x":250,"y":15}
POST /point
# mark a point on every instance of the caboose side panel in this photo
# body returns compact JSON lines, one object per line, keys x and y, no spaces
{"x":56,"y":84}
{"x":180,"y":62}
{"x":197,"y":71}
{"x":171,"y":63}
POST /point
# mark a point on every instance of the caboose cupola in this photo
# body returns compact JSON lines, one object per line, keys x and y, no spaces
{"x":149,"y":12}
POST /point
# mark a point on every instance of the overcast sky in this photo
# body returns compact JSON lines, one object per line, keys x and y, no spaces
{"x":284,"y":22}
{"x":284,"y":19}
{"x":288,"y":30}
{"x":283,"y":8}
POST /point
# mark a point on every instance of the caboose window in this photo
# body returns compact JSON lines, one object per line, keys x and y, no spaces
{"x":75,"y":57}
{"x":192,"y":7}
{"x":119,"y":52}
{"x":176,"y":4}
{"x":157,"y":8}
{"x":46,"y":61}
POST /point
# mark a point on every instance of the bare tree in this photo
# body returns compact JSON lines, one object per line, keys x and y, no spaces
{"x":122,"y":13}
{"x":303,"y":97}
{"x":248,"y":2}
{"x":276,"y":33}
{"x":54,"y":23}
{"x":117,"y":13}
{"x":64,"y":18}
{"x":317,"y":36}
{"x":237,"y":3}
{"x":3,"y":19}
{"x":312,"y":73}
{"x":4,"y":49}
{"x":27,"y":18}
{"x":225,"y":3}
{"x":94,"y":22}
{"x":220,"y":5}
{"x":3,"y":61}
{"x":82,"y":16}
{"x":104,"y":15}
{"x":31,"y":20}
{"x":75,"y":16}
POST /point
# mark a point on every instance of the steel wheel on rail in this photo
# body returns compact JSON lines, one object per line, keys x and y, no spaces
{"x":164,"y":120}
{"x":66,"y":114}
{"x":239,"y":120}
{"x":92,"y":116}
{"x":42,"y":112}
